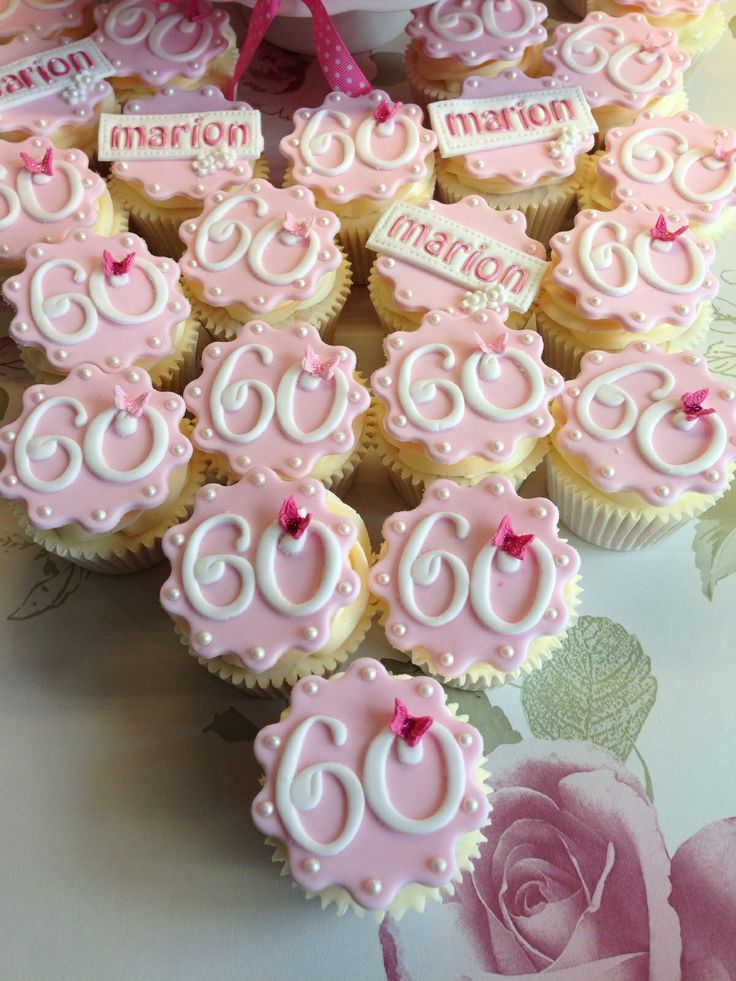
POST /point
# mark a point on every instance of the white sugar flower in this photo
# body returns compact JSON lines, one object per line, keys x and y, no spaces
{"x":567,"y":140}
{"x":78,"y":89}
{"x":209,"y":161}
{"x":488,"y":299}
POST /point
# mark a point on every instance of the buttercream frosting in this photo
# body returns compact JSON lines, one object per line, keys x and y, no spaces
{"x":278,"y":398}
{"x":240,"y":250}
{"x":460,"y":388}
{"x":393,"y":808}
{"x":343,"y":151}
{"x":248,"y":588}
{"x":624,"y":420}
{"x":74,"y":456}
{"x":449,"y":591}
{"x":68,"y":307}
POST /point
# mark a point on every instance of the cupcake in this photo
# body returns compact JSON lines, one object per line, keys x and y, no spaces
{"x":698,"y":24}
{"x":100,"y":468}
{"x":45,"y":18}
{"x":454,"y":39}
{"x":400,"y":818}
{"x":465,"y":258}
{"x":281,"y":399}
{"x":185,"y":42}
{"x":619,"y":275}
{"x":54,"y":89}
{"x":106,"y":301}
{"x":623,"y":64}
{"x":262,"y":252}
{"x":680,"y":165}
{"x":269,"y":581}
{"x":163,"y":186}
{"x":462,"y":398}
{"x":358,"y":155}
{"x":502,"y":122}
{"x":46,"y":194}
{"x":440,"y":580}
{"x":645,"y":442}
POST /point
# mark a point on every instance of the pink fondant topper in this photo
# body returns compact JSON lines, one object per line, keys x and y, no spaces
{"x":408,"y":727}
{"x":300,"y":229}
{"x":386,"y":110}
{"x":652,"y":43}
{"x":660,"y":232}
{"x":41,"y":168}
{"x":496,"y":346}
{"x":319,"y":369}
{"x":692,"y":404}
{"x":721,"y":153}
{"x":113,"y":267}
{"x":507,"y":541}
{"x":130,"y":405}
{"x":293,"y":519}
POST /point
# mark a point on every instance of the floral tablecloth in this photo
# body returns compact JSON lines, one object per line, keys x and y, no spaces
{"x":126,"y":848}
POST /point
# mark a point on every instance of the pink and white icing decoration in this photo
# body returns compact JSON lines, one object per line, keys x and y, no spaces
{"x":41,"y":17}
{"x":500,"y":122}
{"x":665,"y":8}
{"x":249,"y":589}
{"x":462,"y":257}
{"x":74,"y":456}
{"x":49,"y":84}
{"x":390,"y":814}
{"x":212,"y":169}
{"x":461,"y":388}
{"x":629,"y":417}
{"x":277,"y":398}
{"x":76,"y":307}
{"x":619,"y":267}
{"x":240,"y":252}
{"x":36,"y":208}
{"x":453,"y":593}
{"x":680,"y":165}
{"x":619,"y":61}
{"x":476,"y":31}
{"x":345,"y":149}
{"x":158,"y":42}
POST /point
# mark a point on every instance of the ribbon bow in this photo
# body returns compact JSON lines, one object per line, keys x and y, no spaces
{"x":410,"y":728}
{"x":507,"y":541}
{"x":338,"y":66}
{"x":692,"y":404}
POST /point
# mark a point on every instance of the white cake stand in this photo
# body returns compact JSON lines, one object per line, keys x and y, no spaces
{"x":363,"y":28}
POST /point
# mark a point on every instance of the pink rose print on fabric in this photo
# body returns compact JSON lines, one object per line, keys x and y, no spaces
{"x":704,"y":895}
{"x":573,"y":882}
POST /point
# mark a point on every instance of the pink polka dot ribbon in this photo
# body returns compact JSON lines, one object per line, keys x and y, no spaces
{"x":338,"y":65}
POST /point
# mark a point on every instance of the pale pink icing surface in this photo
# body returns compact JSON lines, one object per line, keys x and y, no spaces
{"x":243,"y":586}
{"x":49,"y":112}
{"x":73,"y":457}
{"x":256,"y":404}
{"x":418,"y":289}
{"x":157,"y":41}
{"x":616,"y":271}
{"x":69,"y":309}
{"x":342,"y":152}
{"x":624,"y":420}
{"x":33,"y":212}
{"x":605,"y":56}
{"x":670,"y":163}
{"x":384,"y":816}
{"x":664,"y":8}
{"x":441,"y":390}
{"x":164,"y":179}
{"x":239,"y":253}
{"x":41,"y":17}
{"x":447,"y":588}
{"x":537,"y":156}
{"x":475,"y":31}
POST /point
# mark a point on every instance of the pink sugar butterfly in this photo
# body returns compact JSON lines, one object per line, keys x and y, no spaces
{"x":496,"y":346}
{"x":692,"y":404}
{"x":721,"y":153}
{"x":507,"y":541}
{"x":660,"y":233}
{"x":112,"y":267}
{"x":292,"y":519}
{"x":44,"y":167}
{"x":299,"y":228}
{"x":130,"y":406}
{"x":410,"y":728}
{"x":386,"y":110}
{"x":650,"y":42}
{"x":319,"y":369}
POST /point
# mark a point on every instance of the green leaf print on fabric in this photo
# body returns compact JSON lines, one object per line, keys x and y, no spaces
{"x":721,"y":357}
{"x":490,"y":720}
{"x":714,"y":543}
{"x":597,"y":687}
{"x":60,"y":579}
